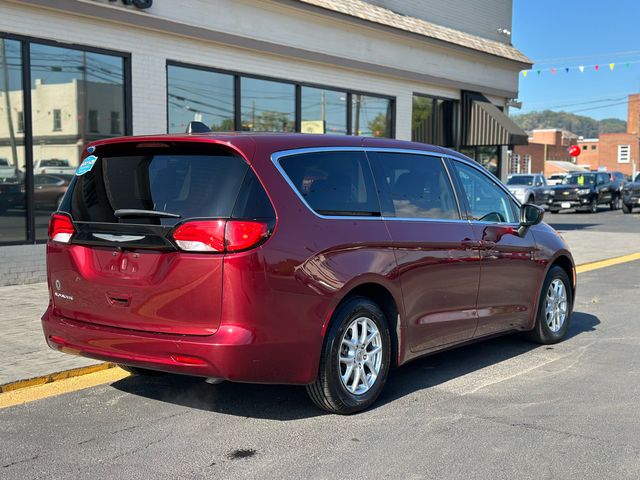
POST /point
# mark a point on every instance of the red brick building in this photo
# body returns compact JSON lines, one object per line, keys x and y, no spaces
{"x":616,"y":151}
{"x":545,"y":145}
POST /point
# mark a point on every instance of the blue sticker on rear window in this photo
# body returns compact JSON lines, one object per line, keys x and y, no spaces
{"x":91,"y":149}
{"x":86,"y":165}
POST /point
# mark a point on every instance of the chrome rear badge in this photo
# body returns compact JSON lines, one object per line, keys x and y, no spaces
{"x":118,"y":238}
{"x":62,"y":296}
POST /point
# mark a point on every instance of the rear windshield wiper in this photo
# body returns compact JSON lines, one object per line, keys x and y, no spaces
{"x":132,"y":212}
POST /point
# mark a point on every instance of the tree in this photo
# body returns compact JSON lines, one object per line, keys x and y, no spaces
{"x":379,"y":125}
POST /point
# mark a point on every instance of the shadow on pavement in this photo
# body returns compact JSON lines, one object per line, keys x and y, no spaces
{"x":282,"y":402}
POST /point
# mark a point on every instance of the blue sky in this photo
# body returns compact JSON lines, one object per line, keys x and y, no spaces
{"x":569,"y":33}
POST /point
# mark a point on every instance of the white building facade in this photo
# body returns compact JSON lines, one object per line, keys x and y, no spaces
{"x":73,"y":71}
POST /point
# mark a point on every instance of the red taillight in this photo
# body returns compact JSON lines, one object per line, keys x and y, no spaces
{"x":60,"y":228}
{"x":219,"y":235}
{"x":242,"y":235}
{"x":188,"y":360}
{"x":201,"y":236}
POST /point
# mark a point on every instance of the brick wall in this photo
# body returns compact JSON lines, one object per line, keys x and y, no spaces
{"x":22,"y":264}
{"x":608,"y":157}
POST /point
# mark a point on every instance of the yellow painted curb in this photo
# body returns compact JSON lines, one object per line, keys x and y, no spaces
{"x":587,"y":267}
{"x":52,"y":377}
{"x":63,"y":385}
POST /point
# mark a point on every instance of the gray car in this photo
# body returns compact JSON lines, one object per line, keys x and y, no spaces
{"x":529,"y":188}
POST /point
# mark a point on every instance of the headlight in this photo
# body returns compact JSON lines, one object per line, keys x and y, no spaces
{"x":547,"y":192}
{"x":584,"y":191}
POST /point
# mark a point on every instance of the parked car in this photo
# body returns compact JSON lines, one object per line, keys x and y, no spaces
{"x":618,"y":180}
{"x":11,"y":196}
{"x":556,"y":178}
{"x":631,"y":195}
{"x":49,"y":189}
{"x":314,"y":260}
{"x":529,"y":188}
{"x":583,"y":191}
{"x":53,"y":166}
{"x":7,"y":172}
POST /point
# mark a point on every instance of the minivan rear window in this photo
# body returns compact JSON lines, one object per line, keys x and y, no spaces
{"x":334,"y":183}
{"x":188,"y":182}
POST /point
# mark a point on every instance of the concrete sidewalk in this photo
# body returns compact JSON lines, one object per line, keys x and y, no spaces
{"x":27,"y":355}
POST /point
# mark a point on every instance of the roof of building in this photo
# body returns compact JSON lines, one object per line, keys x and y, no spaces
{"x":383,"y":16}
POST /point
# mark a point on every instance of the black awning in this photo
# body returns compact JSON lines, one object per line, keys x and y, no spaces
{"x":484,"y":124}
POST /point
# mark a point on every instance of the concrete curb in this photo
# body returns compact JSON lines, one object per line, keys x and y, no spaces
{"x":54,"y":377}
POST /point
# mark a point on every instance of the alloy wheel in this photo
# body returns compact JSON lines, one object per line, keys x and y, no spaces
{"x":360,"y":356}
{"x":556,"y":305}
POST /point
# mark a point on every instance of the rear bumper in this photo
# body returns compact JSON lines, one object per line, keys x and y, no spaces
{"x":232,"y":353}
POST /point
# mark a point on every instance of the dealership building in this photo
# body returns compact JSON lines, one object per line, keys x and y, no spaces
{"x":75,"y":71}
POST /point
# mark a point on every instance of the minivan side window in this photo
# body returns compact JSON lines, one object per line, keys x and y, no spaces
{"x":334,"y":182}
{"x":487,"y":201}
{"x":413,"y":186}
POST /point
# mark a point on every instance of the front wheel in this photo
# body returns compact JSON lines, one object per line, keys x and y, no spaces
{"x":627,"y":208}
{"x":554,"y":309}
{"x":615,"y":203}
{"x":355,"y":359}
{"x":593,"y":206}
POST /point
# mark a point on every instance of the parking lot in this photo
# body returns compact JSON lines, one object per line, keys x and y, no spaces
{"x":504,"y":408}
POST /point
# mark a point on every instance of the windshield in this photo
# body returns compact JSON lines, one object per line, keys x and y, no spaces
{"x":579,"y":179}
{"x":521,"y":180}
{"x":637,"y":178}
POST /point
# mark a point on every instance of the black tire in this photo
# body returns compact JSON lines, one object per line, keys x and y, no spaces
{"x":554,"y":210}
{"x":144,"y":372}
{"x":541,"y":332}
{"x":615,"y":203}
{"x":627,"y":208}
{"x":328,"y":391}
{"x":593,"y":206}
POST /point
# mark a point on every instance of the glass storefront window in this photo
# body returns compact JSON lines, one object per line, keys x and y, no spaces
{"x":267,"y":106}
{"x":76,"y":97}
{"x":371,"y":116}
{"x":434,"y":121}
{"x":422,"y":119}
{"x":323,"y":111}
{"x":13,"y":212}
{"x":199,"y":95}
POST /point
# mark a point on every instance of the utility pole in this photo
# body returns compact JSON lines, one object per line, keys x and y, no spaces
{"x":356,"y":130}
{"x":7,"y":104}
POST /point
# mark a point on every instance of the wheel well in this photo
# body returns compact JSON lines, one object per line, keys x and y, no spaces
{"x":564,"y":263}
{"x":383,"y":298}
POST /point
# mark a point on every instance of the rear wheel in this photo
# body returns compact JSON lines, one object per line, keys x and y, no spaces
{"x":627,"y":208}
{"x":142,"y":371}
{"x":554,"y":310}
{"x":355,"y":359}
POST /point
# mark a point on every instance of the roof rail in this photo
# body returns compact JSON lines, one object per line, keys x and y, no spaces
{"x":197,"y":127}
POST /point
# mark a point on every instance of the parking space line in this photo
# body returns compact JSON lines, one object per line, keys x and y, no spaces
{"x":67,"y":385}
{"x":587,"y":267}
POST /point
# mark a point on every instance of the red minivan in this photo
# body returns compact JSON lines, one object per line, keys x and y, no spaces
{"x":313,"y":260}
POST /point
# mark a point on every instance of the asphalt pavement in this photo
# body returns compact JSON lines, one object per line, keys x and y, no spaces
{"x":501,"y":409}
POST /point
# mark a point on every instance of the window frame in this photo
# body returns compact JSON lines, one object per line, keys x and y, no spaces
{"x":627,"y":153}
{"x":237,"y":75}
{"x":25,"y":48}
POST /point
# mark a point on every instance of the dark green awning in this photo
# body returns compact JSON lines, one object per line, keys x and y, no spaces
{"x":484,"y":124}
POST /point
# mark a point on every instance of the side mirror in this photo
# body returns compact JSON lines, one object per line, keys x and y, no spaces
{"x":530,"y":215}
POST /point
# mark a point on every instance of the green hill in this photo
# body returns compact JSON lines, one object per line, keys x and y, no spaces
{"x":580,"y":125}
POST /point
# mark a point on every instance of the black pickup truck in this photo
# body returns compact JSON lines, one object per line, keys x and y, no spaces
{"x":631,"y":195}
{"x":583,"y":191}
